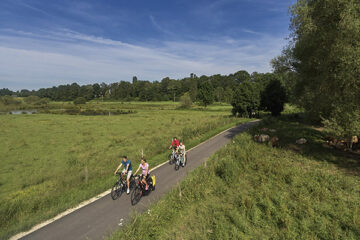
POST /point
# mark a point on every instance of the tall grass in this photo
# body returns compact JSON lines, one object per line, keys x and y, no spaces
{"x":252,"y":191}
{"x":43,"y":156}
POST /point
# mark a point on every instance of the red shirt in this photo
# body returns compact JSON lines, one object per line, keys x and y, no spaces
{"x":175,"y":143}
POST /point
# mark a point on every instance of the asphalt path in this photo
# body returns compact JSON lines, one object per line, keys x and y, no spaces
{"x":102,"y":217}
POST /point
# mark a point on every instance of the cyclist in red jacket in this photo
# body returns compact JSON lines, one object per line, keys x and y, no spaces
{"x":174,"y":144}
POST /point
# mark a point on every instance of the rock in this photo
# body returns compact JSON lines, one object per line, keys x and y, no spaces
{"x":301,"y":141}
{"x":274,"y":141}
{"x":263,"y":138}
{"x":340,"y":145}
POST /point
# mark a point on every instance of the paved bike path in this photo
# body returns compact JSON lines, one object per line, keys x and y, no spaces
{"x":100,"y":218}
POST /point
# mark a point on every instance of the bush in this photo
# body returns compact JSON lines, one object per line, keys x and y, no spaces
{"x":185,"y":101}
{"x":80,"y":100}
{"x":32,"y":100}
{"x":8,"y":100}
{"x":44,"y":101}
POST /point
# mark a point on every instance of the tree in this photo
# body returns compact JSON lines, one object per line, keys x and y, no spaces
{"x":6,"y":91}
{"x":326,"y":49}
{"x":219,"y":94}
{"x":245,"y":100}
{"x":273,"y":98}
{"x":228,"y":95}
{"x":206,"y":93}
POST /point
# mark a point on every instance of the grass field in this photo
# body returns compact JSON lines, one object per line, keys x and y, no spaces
{"x":44,"y":156}
{"x":250,"y":190}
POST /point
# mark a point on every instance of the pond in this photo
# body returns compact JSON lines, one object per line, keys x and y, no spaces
{"x":32,"y":111}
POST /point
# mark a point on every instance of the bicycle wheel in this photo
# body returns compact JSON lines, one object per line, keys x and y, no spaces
{"x":136,"y":195}
{"x":132,"y":182}
{"x":171,"y":159}
{"x":116,"y":190}
{"x":177,"y":164}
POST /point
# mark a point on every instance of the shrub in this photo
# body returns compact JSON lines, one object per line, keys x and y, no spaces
{"x":32,"y":100}
{"x":185,"y":101}
{"x":80,"y":100}
{"x":8,"y":100}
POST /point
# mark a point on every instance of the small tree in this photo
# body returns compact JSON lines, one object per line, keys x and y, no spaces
{"x":245,"y":100}
{"x":185,"y":100}
{"x":273,"y":98}
{"x":80,"y":100}
{"x":206,"y":93}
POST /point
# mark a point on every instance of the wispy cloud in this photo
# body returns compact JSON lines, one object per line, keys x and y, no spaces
{"x":29,"y":60}
{"x":31,"y":7}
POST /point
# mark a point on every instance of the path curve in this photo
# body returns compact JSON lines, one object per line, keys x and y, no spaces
{"x":100,"y":218}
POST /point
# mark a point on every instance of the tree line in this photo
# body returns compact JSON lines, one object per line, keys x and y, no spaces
{"x":207,"y":89}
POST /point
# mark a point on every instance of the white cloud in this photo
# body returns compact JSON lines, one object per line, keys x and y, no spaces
{"x":29,"y":60}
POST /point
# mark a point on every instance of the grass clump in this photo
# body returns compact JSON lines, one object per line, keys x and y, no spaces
{"x":253,"y":191}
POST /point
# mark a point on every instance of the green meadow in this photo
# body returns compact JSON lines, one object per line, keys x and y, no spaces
{"x":44,"y":156}
{"x":249,"y":190}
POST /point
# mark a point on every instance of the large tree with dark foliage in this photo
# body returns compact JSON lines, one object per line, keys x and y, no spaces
{"x":273,"y":98}
{"x":326,"y":52}
{"x":245,"y":100}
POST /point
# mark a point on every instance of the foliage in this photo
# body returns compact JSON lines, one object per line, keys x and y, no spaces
{"x":32,"y":99}
{"x":8,"y":100}
{"x":185,"y":100}
{"x":245,"y":100}
{"x":206,"y":93}
{"x":143,"y":90}
{"x":79,"y":100}
{"x":344,"y":124}
{"x":5,"y":91}
{"x":326,"y":52}
{"x":252,"y":191}
{"x":273,"y":98}
{"x":283,"y":68}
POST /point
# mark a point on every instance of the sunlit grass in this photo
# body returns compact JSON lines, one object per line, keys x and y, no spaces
{"x":253,"y":191}
{"x":43,"y":156}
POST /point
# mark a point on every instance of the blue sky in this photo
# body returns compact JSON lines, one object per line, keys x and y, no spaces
{"x":46,"y":43}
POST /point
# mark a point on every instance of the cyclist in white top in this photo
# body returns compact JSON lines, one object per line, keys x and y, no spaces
{"x":145,"y":172}
{"x":182,"y":150}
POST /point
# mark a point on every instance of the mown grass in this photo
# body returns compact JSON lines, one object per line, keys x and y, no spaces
{"x":253,"y":191}
{"x":43,"y":156}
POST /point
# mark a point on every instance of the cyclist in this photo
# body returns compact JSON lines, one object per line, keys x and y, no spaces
{"x":181,"y":149}
{"x":127,"y":170}
{"x":145,"y":172}
{"x":174,"y":145}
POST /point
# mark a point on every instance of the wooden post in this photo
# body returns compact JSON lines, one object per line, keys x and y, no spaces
{"x":179,"y":191}
{"x":142,"y":153}
{"x":86,"y":175}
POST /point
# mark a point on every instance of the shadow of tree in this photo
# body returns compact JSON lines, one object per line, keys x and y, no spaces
{"x":289,"y":131}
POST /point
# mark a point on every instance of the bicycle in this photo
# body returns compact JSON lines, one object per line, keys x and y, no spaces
{"x":180,"y":161}
{"x":120,"y":185}
{"x":172,"y":157}
{"x":140,"y":191}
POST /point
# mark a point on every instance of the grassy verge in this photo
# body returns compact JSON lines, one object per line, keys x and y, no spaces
{"x":252,"y":191}
{"x":44,"y":156}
